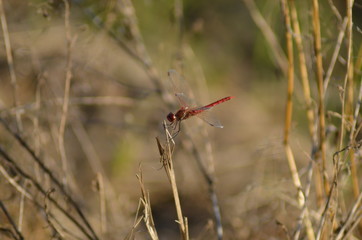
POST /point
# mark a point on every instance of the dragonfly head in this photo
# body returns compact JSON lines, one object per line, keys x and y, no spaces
{"x":171,"y":117}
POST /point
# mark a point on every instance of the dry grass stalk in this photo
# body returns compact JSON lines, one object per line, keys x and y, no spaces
{"x":10,"y":60}
{"x":353,"y":218}
{"x":288,"y":119}
{"x":307,"y":97}
{"x":102,"y":204}
{"x":54,"y":180}
{"x":349,"y":87}
{"x":136,"y":222}
{"x":68,"y":77}
{"x":40,"y":189}
{"x":147,"y":211}
{"x":303,"y":69}
{"x":166,"y":152}
{"x":319,"y":77}
{"x":335,"y":54}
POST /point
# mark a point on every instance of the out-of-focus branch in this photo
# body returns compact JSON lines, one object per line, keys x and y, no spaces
{"x":11,"y":221}
{"x":269,"y":35}
{"x":10,"y":60}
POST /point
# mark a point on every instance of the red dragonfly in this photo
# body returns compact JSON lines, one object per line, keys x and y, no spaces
{"x":186,"y":111}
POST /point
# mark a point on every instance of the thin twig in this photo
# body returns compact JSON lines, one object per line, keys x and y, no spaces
{"x":21,"y":208}
{"x":347,"y":224}
{"x":145,"y":200}
{"x":335,"y":54}
{"x":22,"y":191}
{"x":38,"y":186}
{"x":269,"y":35}
{"x":137,"y":221}
{"x":128,"y":10}
{"x":11,"y":221}
{"x":335,"y":10}
{"x":102,"y":204}
{"x":304,"y":215}
{"x":68,"y":78}
{"x":10,"y":60}
{"x":48,"y":172}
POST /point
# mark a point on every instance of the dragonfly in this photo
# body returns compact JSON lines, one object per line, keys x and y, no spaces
{"x":187,"y":111}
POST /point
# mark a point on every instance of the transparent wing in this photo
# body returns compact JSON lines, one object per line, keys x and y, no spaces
{"x":181,"y":89}
{"x":209,"y":118}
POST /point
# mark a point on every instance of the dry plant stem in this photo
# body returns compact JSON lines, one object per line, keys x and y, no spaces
{"x":68,"y":77}
{"x":351,"y":218}
{"x":11,"y":221}
{"x":304,"y":215}
{"x":141,"y":51}
{"x":306,"y":91}
{"x":303,"y":69}
{"x":288,"y":118}
{"x":354,"y":132}
{"x":26,"y":194}
{"x":10,"y":60}
{"x":285,"y":229}
{"x":290,"y":74}
{"x":319,"y":76}
{"x":335,"y":54}
{"x":166,"y":158}
{"x":48,"y":172}
{"x":38,"y":186}
{"x":147,"y":211}
{"x":21,"y":190}
{"x":327,"y":220}
{"x":269,"y":35}
{"x":14,"y":183}
{"x":328,"y":217}
{"x":21,"y":208}
{"x":102,"y":204}
{"x":335,"y":10}
{"x":137,"y":221}
{"x":358,"y":65}
{"x":349,"y":106}
{"x":35,"y":119}
{"x":325,"y":224}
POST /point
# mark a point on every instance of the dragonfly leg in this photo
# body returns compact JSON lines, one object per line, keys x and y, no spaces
{"x":178,"y":123}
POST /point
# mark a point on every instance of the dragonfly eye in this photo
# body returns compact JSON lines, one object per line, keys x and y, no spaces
{"x":171,"y":117}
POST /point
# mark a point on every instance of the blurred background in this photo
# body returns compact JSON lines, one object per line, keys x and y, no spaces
{"x":89,"y":91}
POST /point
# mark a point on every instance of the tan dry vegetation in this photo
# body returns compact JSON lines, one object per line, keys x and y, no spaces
{"x":84,"y":163}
